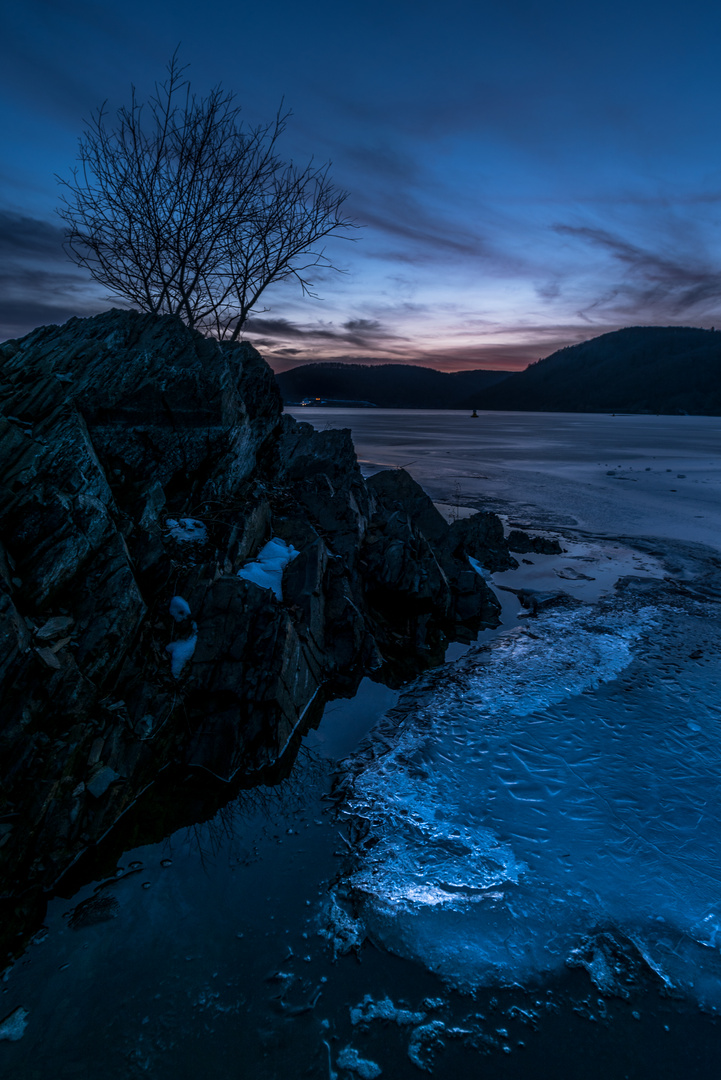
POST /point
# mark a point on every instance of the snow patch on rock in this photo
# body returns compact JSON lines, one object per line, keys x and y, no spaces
{"x":267,"y":569}
{"x":181,"y":651}
{"x":179,"y":609}
{"x":187,"y":530}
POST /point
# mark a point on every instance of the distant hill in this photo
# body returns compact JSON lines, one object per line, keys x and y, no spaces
{"x":389,"y":386}
{"x":643,"y":369}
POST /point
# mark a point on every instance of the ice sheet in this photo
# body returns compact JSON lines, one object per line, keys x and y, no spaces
{"x":563,"y":780}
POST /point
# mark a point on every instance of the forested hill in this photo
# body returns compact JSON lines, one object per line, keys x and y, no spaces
{"x":390,"y":386}
{"x":643,"y":369}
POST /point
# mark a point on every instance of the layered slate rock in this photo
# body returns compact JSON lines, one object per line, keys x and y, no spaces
{"x":411,"y":546}
{"x":139,"y":462}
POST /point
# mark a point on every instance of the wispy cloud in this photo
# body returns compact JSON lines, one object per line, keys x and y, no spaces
{"x":368,"y":326}
{"x":362,"y":333}
{"x":655,"y":284}
{"x":26,"y":237}
{"x":533,"y":341}
{"x":38,"y":284}
{"x":460,"y":358}
{"x":427,"y":236}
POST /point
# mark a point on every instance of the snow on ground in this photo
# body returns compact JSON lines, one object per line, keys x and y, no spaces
{"x":13,"y":1026}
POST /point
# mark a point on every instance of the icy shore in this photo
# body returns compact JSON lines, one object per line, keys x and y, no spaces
{"x":558,"y":782}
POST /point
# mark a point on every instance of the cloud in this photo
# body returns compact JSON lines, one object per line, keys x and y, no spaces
{"x":548,"y":290}
{"x":370,"y":326}
{"x":429,"y":235}
{"x":360,"y":332}
{"x":532,"y":342}
{"x":38,"y":284}
{"x":656,"y":285}
{"x":18,"y":318}
{"x":381,"y":161}
{"x":22,"y":237}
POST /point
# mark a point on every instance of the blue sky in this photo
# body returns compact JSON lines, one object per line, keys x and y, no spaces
{"x":528,"y":174}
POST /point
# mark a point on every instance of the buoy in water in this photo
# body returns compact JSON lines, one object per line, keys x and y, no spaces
{"x":474,"y":415}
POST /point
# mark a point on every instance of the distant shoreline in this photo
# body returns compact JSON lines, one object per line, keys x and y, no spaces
{"x":300,"y":408}
{"x":654,"y":370}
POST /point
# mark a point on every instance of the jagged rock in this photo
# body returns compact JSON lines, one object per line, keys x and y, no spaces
{"x":321,"y":470}
{"x":534,"y":599}
{"x":101,"y":781}
{"x":139,"y":462}
{"x":480,"y":536}
{"x":400,"y":561}
{"x":94,"y":910}
{"x":54,"y":628}
{"x":523,"y":544}
{"x":402,"y":503}
{"x":395,"y":489}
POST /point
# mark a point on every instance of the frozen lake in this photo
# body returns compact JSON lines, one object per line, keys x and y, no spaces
{"x":619,"y":475}
{"x":560,"y":782}
{"x":533,"y":848}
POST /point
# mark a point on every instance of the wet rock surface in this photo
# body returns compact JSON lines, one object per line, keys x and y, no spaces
{"x":140,"y":462}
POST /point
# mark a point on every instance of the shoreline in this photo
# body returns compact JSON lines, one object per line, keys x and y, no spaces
{"x":286,"y":966}
{"x":215,"y":943}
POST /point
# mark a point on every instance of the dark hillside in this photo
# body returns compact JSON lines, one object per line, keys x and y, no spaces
{"x":389,"y":386}
{"x":643,"y":369}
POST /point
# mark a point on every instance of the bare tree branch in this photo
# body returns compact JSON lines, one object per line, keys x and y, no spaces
{"x":180,"y":209}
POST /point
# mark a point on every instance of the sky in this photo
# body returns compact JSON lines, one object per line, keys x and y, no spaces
{"x":526,"y":175}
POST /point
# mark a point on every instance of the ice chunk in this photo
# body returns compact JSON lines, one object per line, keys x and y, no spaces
{"x":343,"y":932}
{"x":179,"y":609}
{"x":181,"y":651}
{"x":267,"y":570}
{"x":369,"y":1010}
{"x":350,"y":1059}
{"x":13,"y":1026}
{"x":187,"y":530}
{"x":423,"y":1042}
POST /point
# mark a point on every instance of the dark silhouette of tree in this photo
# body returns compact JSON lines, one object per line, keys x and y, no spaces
{"x":180,"y":209}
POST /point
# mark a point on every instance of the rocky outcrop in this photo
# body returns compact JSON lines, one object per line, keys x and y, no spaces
{"x":411,"y":551}
{"x":141,"y":462}
{"x":523,"y":544}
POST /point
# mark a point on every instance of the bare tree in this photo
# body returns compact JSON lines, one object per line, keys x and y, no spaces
{"x":180,"y":209}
